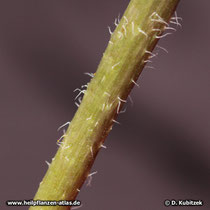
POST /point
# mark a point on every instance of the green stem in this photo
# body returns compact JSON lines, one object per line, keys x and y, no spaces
{"x":127,"y":52}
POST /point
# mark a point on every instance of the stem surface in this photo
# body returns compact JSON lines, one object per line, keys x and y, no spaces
{"x":128,"y":51}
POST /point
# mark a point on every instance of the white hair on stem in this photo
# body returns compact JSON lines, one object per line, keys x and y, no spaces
{"x":47,"y":163}
{"x":115,"y":122}
{"x":76,"y":104}
{"x":62,"y":126}
{"x":162,"y":48}
{"x":135,"y":83}
{"x":118,"y":18}
{"x":176,"y":23}
{"x":115,"y":22}
{"x":148,"y":61}
{"x":105,"y":93}
{"x":126,"y":19}
{"x":64,"y":135}
{"x":176,"y":18}
{"x":121,"y":99}
{"x":156,"y":29}
{"x":91,"y":150}
{"x":153,"y":55}
{"x":64,"y":131}
{"x":115,"y":65}
{"x":118,"y":107}
{"x":132,"y":25}
{"x":66,"y":147}
{"x":80,"y":100}
{"x":89,"y":118}
{"x":59,"y":143}
{"x":89,"y":74}
{"x":110,"y":105}
{"x":143,"y":32}
{"x":103,"y":106}
{"x":81,"y":91}
{"x":110,"y":30}
{"x":103,"y":146}
{"x":84,"y":86}
{"x":130,"y":98}
{"x":123,"y":111}
{"x":120,"y":36}
{"x":96,"y":123}
{"x":160,"y":19}
{"x":103,"y":78}
{"x":90,"y":177}
{"x":125,"y":32}
{"x":149,"y":52}
{"x":162,"y":36}
{"x":95,"y":172}
{"x":77,"y":89}
{"x":149,"y":67}
{"x":170,"y":28}
{"x":67,"y":158}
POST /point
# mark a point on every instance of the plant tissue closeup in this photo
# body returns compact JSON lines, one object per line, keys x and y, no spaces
{"x":71,"y":74}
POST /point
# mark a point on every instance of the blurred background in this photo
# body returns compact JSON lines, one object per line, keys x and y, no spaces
{"x":160,"y":151}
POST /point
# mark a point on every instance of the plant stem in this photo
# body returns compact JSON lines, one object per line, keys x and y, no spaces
{"x":128,"y":51}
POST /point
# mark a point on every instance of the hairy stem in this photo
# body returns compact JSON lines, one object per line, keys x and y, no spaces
{"x":129,"y":49}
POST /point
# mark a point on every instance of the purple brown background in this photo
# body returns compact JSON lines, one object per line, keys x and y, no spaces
{"x":161,"y":149}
